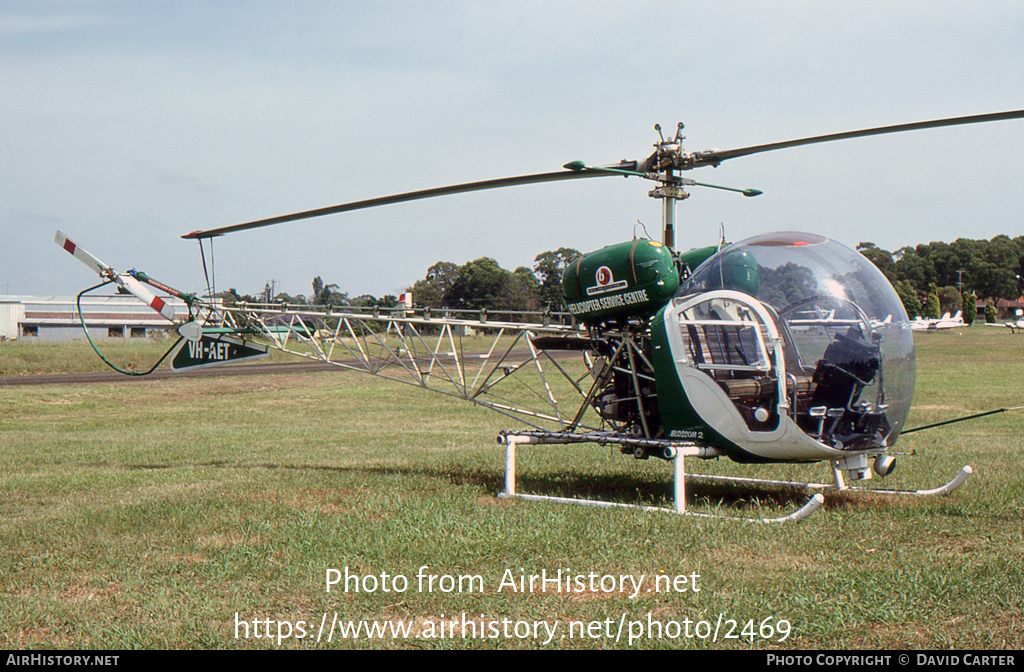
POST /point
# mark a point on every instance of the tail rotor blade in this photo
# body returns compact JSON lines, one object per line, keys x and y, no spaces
{"x":78,"y":253}
{"x":143,"y":294}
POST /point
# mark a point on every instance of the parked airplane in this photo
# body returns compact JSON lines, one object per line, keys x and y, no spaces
{"x":944,"y":322}
{"x":1012,"y":325}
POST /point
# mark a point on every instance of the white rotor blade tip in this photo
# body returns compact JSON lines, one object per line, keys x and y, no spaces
{"x":80,"y":254}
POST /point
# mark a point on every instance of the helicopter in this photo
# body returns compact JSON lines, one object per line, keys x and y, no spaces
{"x":786,"y":347}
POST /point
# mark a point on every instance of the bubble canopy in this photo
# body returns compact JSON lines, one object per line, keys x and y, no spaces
{"x":822,"y":291}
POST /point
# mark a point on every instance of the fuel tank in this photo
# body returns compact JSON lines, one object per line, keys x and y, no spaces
{"x":618,"y":282}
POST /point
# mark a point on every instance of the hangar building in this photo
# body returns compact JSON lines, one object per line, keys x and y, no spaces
{"x":56,"y":318}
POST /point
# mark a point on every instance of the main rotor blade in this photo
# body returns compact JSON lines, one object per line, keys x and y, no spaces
{"x":408,"y":196}
{"x":713,"y":158}
{"x":706,"y":158}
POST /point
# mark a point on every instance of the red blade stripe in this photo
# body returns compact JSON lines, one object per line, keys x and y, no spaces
{"x":69,"y":246}
{"x":157,"y":304}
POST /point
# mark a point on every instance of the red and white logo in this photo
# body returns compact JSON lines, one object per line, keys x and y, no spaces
{"x":605,"y":282}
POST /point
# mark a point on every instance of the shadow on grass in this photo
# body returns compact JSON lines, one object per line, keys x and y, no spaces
{"x":646,"y":490}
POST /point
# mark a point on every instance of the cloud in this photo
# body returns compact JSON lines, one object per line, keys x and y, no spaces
{"x":38,"y":25}
{"x":136,"y":122}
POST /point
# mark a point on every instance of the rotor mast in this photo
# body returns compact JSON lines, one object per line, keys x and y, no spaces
{"x":669,"y":189}
{"x":668,"y":193}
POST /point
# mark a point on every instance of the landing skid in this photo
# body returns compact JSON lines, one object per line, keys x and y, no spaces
{"x":839,"y":486}
{"x":675,"y":451}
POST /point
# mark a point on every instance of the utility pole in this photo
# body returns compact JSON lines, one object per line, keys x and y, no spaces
{"x":960,"y":280}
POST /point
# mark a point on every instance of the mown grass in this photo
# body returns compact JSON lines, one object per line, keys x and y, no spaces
{"x":32,"y":357}
{"x":150,"y":514}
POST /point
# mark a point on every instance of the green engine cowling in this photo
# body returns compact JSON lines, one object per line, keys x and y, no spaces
{"x":618,"y":282}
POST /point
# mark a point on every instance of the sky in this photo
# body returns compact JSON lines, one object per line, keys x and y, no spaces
{"x":128,"y":124}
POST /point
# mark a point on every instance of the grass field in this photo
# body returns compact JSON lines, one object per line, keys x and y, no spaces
{"x":208,"y":512}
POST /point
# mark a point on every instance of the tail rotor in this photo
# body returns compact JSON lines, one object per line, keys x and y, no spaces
{"x":123,"y":280}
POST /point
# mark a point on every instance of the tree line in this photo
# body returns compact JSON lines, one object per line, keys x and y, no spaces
{"x":481,"y":283}
{"x":322,"y":295}
{"x":930,"y":278}
{"x":937,"y":277}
